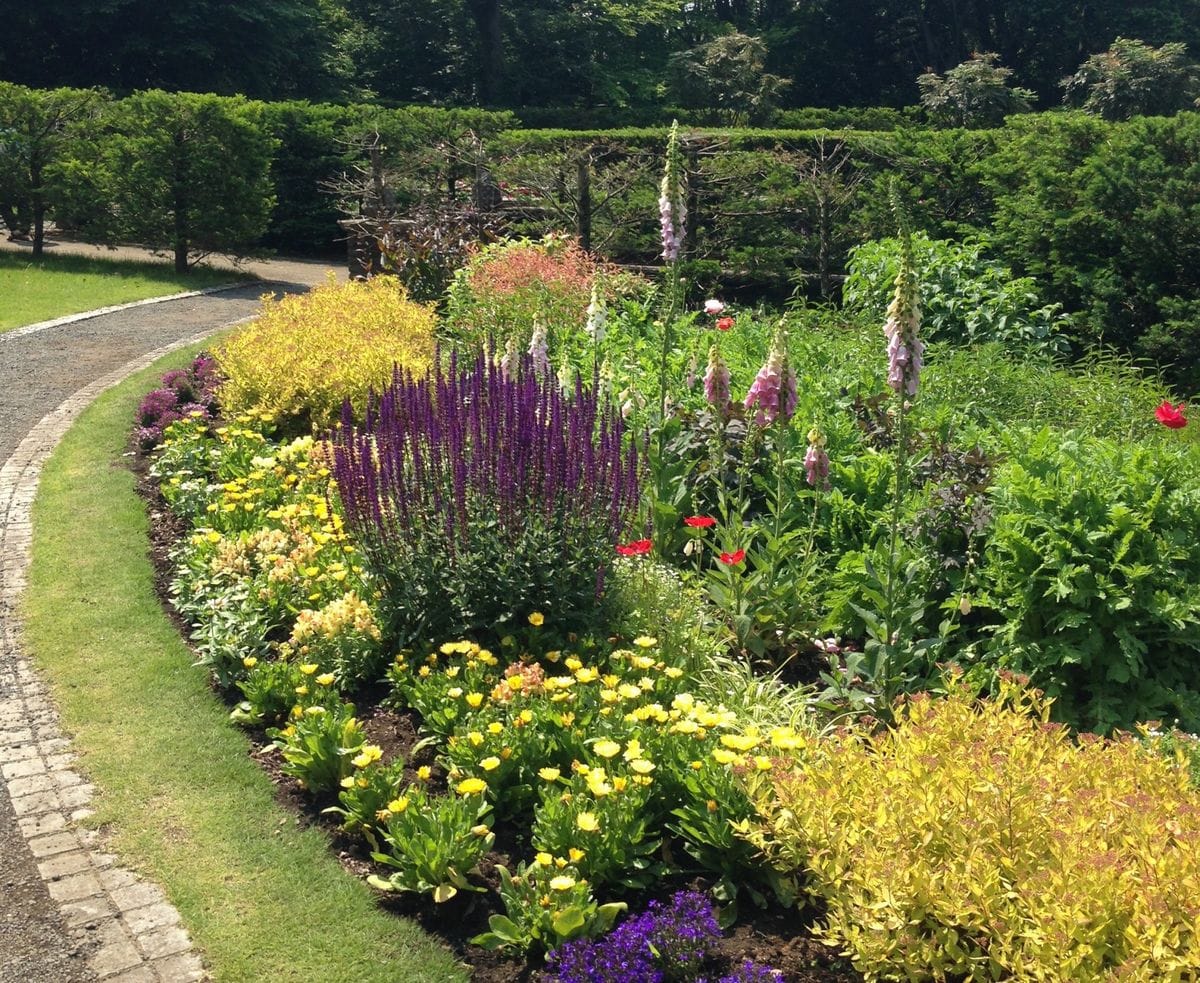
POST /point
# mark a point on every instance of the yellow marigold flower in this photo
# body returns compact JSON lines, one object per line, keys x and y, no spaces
{"x":725,"y":757}
{"x":309,"y":668}
{"x":515,"y":683}
{"x":424,"y":773}
{"x":587,"y":674}
{"x":642,"y":661}
{"x":549,"y":774}
{"x":424,"y":672}
{"x":474,"y":700}
{"x":575,"y":854}
{"x":490,"y":763}
{"x":645,"y":641}
{"x":475,"y":738}
{"x":249,"y":662}
{"x":573,"y":663}
{"x":562,"y":883}
{"x":629,"y":692}
{"x":642,"y":766}
{"x":525,"y":716}
{"x":620,"y":783}
{"x":537,"y":619}
{"x":739,"y":742}
{"x":481,"y":830}
{"x":471,"y":786}
{"x":368,"y":754}
{"x":398,"y":805}
{"x":609,"y":696}
{"x":543,"y":859}
{"x":606,"y":749}
{"x":495,"y":727}
{"x":633,"y":750}
{"x":560,"y":862}
{"x":697,"y":765}
{"x":326,"y":679}
{"x":587,"y":822}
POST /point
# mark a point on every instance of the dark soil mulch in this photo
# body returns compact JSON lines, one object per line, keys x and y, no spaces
{"x":774,"y":936}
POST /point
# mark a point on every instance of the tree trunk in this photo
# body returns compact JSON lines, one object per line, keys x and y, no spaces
{"x":584,"y":181}
{"x":488,"y":27}
{"x":38,"y":203}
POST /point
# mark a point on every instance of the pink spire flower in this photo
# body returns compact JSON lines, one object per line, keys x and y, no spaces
{"x":816,"y":461}
{"x":672,"y":206}
{"x":905,"y":349}
{"x":772,"y":395}
{"x":716,"y":381}
{"x":538,"y":348}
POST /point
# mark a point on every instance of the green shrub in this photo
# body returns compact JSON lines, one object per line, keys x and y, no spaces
{"x":1092,"y":573}
{"x":975,"y":841}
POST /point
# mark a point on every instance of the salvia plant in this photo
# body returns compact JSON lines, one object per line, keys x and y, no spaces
{"x":480,"y":495}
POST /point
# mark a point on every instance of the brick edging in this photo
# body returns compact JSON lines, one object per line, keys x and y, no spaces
{"x":136,"y":931}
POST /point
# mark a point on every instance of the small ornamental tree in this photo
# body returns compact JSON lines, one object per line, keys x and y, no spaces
{"x":178,"y":171}
{"x":1133,"y":78}
{"x":973,"y":94}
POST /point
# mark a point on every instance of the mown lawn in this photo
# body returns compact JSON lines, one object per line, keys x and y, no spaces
{"x":54,"y":286}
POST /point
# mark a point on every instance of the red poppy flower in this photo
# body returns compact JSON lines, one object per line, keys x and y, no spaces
{"x":733,"y":559}
{"x":1170,"y":416}
{"x":700,"y":521}
{"x":724,"y":323}
{"x":638,"y":547}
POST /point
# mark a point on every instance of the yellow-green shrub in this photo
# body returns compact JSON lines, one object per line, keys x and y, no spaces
{"x":307,"y":353}
{"x":979,"y":841}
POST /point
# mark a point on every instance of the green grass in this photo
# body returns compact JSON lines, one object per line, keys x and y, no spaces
{"x":262,"y":898}
{"x":32,"y":291}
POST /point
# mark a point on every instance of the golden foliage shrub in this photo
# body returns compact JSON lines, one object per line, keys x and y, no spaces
{"x":978,"y":841}
{"x":306,"y":353}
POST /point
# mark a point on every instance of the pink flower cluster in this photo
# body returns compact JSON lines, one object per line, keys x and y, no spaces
{"x":905,"y":349}
{"x":816,"y":461}
{"x":773,"y":393}
{"x":672,"y":207}
{"x":716,"y":381}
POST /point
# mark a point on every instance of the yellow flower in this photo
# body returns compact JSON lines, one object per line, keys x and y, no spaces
{"x":348,"y":782}
{"x":620,"y":782}
{"x":471,"y":786}
{"x":490,"y":764}
{"x":369,"y":753}
{"x":495,"y":727}
{"x":316,"y":711}
{"x":537,"y":619}
{"x":424,"y":772}
{"x":673,"y":672}
{"x":480,"y":830}
{"x":642,"y":766}
{"x":326,"y":679}
{"x":549,"y":774}
{"x":587,"y":822}
{"x":398,"y":805}
{"x":629,"y":692}
{"x":726,"y":757}
{"x":454,"y":692}
{"x":739,"y":742}
{"x":525,"y":716}
{"x":249,"y":662}
{"x":587,"y":674}
{"x":309,"y":668}
{"x":543,"y":859}
{"x":474,"y":700}
{"x":562,"y":883}
{"x":762,"y":762}
{"x":575,"y":854}
{"x":302,"y":691}
{"x":515,"y":683}
{"x":475,"y":738}
{"x":606,"y":749}
{"x":645,"y":641}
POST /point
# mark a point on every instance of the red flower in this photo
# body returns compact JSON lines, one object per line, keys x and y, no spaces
{"x":733,"y":559}
{"x":1170,"y":416}
{"x":639,"y":547}
{"x":700,"y":521}
{"x":724,"y":323}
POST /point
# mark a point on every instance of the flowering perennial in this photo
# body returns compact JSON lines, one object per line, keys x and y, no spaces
{"x":905,"y":349}
{"x":773,"y":392}
{"x":672,"y":206}
{"x":716,"y":381}
{"x":816,"y":461}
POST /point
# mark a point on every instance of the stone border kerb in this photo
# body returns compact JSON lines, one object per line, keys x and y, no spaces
{"x":136,"y":932}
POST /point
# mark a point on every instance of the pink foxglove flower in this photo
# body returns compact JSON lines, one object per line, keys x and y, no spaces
{"x":672,"y":204}
{"x":905,"y":349}
{"x":509,"y":360}
{"x":772,"y":395}
{"x":597,"y":315}
{"x":716,"y":382}
{"x":816,"y":461}
{"x":538,"y":349}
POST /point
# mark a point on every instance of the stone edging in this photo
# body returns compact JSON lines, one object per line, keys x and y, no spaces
{"x":135,"y":931}
{"x":58,"y":322}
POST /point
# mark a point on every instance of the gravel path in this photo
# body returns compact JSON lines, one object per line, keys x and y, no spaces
{"x":39,"y":371}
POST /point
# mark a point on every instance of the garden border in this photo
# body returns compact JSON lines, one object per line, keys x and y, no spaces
{"x":137,"y":931}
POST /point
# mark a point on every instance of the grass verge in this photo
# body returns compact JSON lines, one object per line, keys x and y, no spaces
{"x":54,"y":286}
{"x":262,"y":898}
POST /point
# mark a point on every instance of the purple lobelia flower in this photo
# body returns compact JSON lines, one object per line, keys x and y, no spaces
{"x":751,"y":972}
